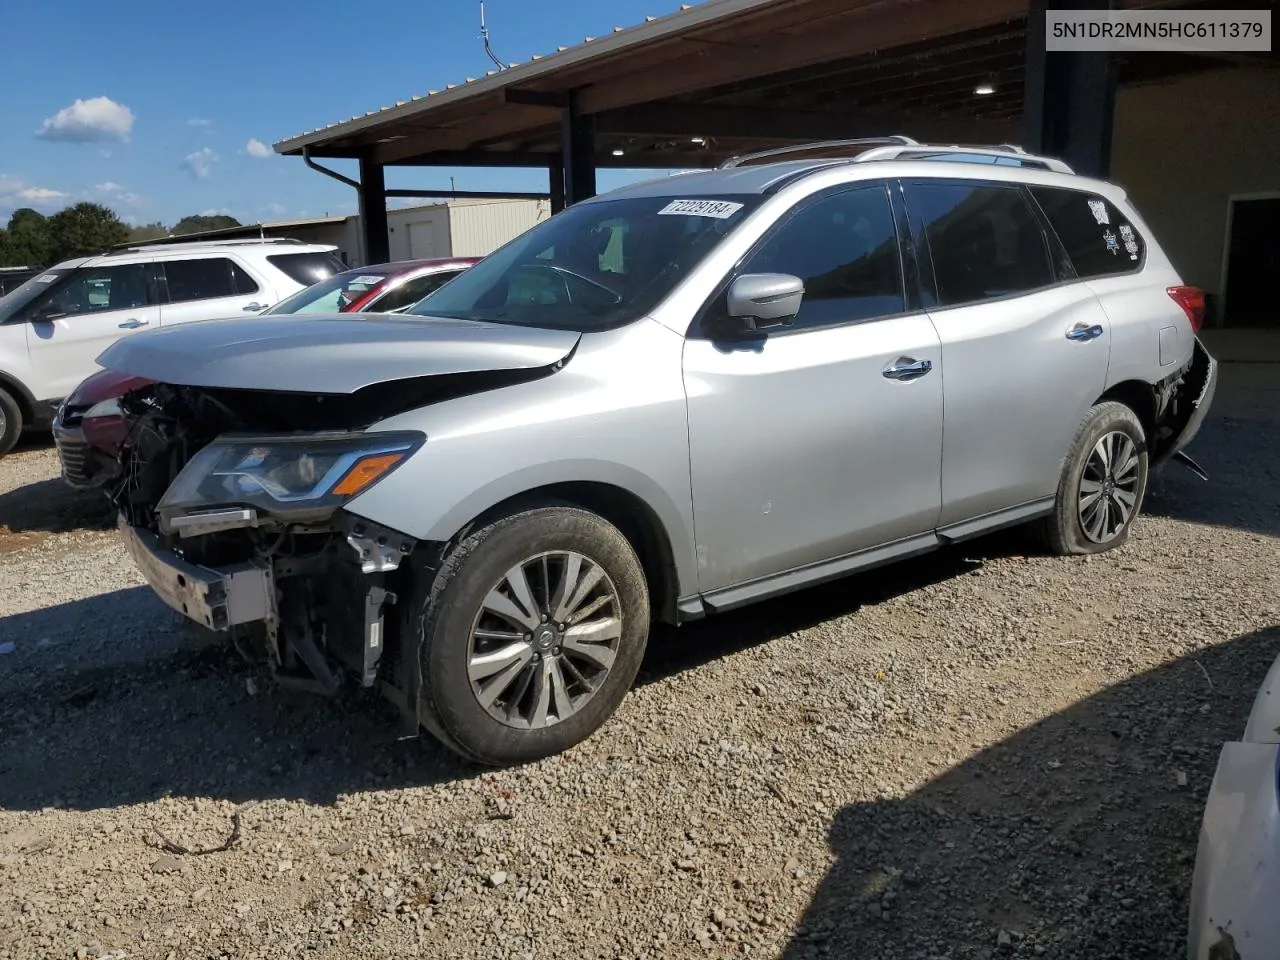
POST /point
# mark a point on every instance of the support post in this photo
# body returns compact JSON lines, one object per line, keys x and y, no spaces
{"x":1069,"y":97}
{"x":579,"y":132}
{"x":555,"y":170}
{"x":375,"y":242}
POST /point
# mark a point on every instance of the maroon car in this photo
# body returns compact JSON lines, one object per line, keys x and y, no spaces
{"x":89,"y":429}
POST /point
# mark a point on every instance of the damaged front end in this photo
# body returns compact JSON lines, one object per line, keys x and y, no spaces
{"x":231,"y":503}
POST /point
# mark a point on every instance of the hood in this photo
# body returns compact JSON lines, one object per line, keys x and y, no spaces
{"x":330,"y":353}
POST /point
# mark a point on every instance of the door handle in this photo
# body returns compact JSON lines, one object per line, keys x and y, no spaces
{"x":133,"y":324}
{"x":254,"y":307}
{"x":904,"y":368}
{"x":1082,"y":332}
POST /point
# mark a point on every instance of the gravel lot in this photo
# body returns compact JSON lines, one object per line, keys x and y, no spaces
{"x":985,"y":753}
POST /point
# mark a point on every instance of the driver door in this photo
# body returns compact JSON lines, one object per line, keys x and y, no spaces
{"x":78,"y":319}
{"x":816,"y":442}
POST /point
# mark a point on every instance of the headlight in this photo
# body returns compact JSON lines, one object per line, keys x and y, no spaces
{"x":105,"y":408}
{"x":298,"y":478}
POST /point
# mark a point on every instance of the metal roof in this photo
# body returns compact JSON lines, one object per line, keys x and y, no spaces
{"x":729,"y":76}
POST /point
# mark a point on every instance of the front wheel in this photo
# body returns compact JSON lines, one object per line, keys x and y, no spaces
{"x":10,"y":422}
{"x":1103,"y":483}
{"x":531,"y":633}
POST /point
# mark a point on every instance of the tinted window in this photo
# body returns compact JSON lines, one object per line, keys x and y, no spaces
{"x":206,"y":279}
{"x":13,"y":302}
{"x":411,"y":291}
{"x":97,"y":289}
{"x":595,"y":265}
{"x":307,"y":268}
{"x":845,"y":249}
{"x":985,"y":241}
{"x":1097,"y":237}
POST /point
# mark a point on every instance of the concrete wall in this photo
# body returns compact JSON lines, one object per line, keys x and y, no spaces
{"x":1181,"y":148}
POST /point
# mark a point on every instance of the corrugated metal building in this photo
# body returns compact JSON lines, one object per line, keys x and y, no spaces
{"x":451,"y":228}
{"x":460,"y":228}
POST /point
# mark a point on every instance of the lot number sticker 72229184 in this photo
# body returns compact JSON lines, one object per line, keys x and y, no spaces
{"x":719,"y":209}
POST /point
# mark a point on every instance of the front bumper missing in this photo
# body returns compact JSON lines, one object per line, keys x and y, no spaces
{"x":217,"y":598}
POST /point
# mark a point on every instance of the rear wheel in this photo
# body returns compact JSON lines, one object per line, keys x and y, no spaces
{"x":10,"y":422}
{"x":531,"y":634}
{"x":1103,"y":483}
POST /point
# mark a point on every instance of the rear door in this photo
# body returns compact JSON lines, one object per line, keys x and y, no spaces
{"x":208,"y":288}
{"x":808,"y":444}
{"x":81,"y":316}
{"x":1025,"y":346}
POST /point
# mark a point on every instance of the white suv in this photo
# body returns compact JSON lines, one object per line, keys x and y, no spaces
{"x":54,"y":326}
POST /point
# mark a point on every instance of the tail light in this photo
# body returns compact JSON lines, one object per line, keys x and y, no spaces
{"x":1191,"y":300}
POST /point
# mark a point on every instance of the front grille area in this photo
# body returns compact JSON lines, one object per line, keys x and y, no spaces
{"x":76,"y":457}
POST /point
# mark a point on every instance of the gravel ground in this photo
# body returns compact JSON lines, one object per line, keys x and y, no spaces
{"x":986,"y":753}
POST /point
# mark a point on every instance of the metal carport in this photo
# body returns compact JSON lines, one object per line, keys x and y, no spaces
{"x":728,"y":76}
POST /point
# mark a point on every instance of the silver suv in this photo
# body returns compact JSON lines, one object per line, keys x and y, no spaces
{"x":671,"y":400}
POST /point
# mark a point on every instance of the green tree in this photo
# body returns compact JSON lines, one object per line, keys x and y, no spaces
{"x":84,"y":229}
{"x":28,"y":241}
{"x":148,"y":231}
{"x":198,"y":224}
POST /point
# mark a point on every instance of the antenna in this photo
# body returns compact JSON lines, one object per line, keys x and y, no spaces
{"x":484,"y":35}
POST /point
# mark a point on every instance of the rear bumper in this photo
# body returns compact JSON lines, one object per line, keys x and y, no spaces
{"x":217,"y":598}
{"x":1200,"y":386}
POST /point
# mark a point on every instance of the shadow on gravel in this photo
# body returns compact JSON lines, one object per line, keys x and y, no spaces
{"x":1239,"y":447}
{"x":89,"y":723}
{"x":1005,"y":855}
{"x":50,"y":506}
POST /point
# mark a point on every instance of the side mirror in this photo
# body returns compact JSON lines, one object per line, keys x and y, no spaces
{"x":760,"y":300}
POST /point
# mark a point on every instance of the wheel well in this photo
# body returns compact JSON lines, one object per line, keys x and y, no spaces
{"x":1138,"y":397}
{"x":20,"y":397}
{"x":634,"y":519}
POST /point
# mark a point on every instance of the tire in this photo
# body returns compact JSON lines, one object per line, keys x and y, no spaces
{"x":10,"y":422}
{"x":519,"y":725}
{"x":1077,"y":528}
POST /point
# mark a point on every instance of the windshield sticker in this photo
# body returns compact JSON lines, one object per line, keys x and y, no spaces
{"x":1112,"y":243}
{"x":371,"y":281}
{"x":1130,"y":242}
{"x":1099,"y":210}
{"x":46,"y":278}
{"x":719,"y":209}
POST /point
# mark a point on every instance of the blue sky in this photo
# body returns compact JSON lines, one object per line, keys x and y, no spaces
{"x":163,"y":109}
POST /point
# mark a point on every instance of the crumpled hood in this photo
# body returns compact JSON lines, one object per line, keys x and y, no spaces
{"x":330,"y":353}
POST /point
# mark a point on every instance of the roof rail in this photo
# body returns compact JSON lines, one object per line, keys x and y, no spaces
{"x":178,"y":243}
{"x":890,"y":141}
{"x":928,"y":151}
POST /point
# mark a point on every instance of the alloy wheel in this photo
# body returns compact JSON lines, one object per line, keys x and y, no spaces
{"x":544,"y":640}
{"x":1109,"y":487}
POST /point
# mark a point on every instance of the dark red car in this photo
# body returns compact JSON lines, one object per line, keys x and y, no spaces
{"x":89,"y":429}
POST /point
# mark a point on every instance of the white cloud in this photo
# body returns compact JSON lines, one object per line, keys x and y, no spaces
{"x":199,"y":122}
{"x":99,"y":118}
{"x":275,"y":209}
{"x":40,"y":194}
{"x":200,"y":164}
{"x":216,"y":212}
{"x":16,"y":192}
{"x":117,"y":193}
{"x":256,"y":148}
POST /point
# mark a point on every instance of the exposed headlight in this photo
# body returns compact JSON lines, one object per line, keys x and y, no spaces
{"x":106,"y":408}
{"x":299,"y":478}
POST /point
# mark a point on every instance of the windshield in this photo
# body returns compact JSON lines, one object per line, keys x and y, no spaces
{"x":11,"y":303}
{"x":593,"y":266}
{"x":334,"y":295}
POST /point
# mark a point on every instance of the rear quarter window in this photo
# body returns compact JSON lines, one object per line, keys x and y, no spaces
{"x":1098,"y":239}
{"x":307,"y":268}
